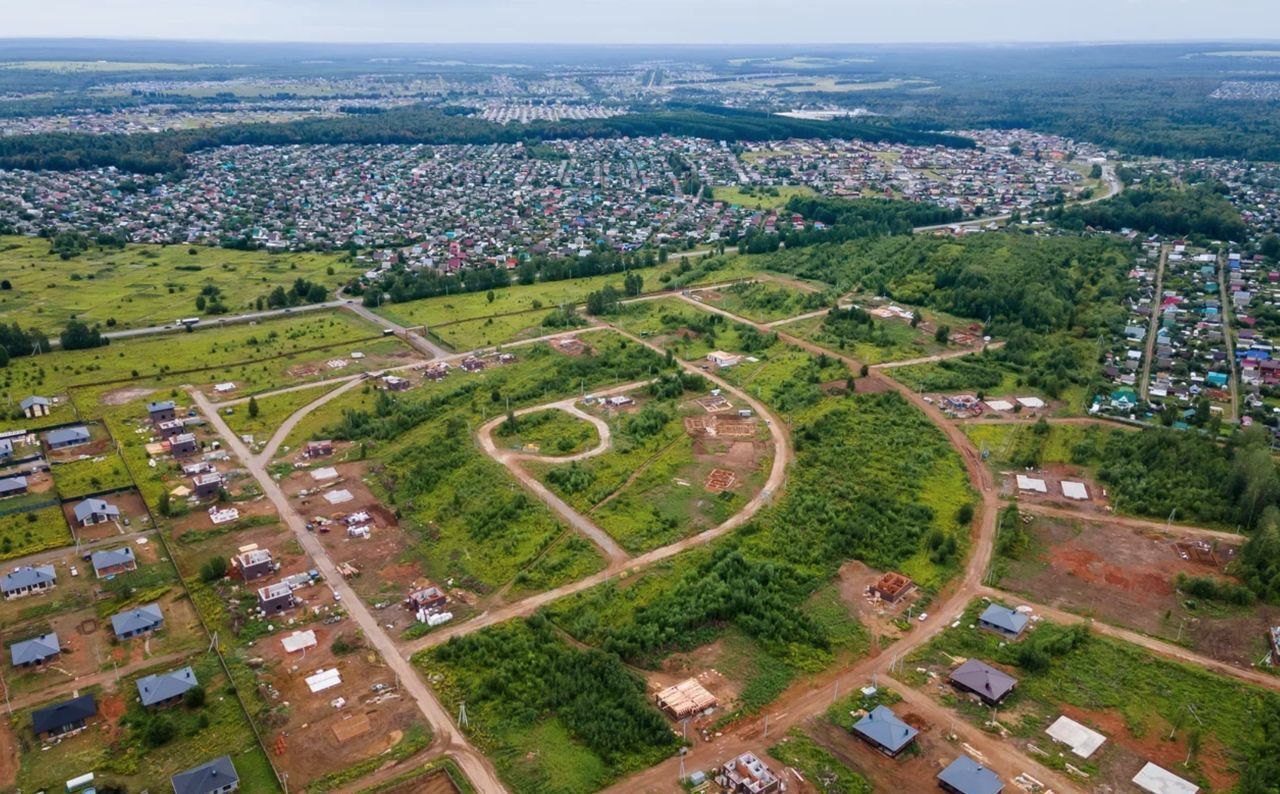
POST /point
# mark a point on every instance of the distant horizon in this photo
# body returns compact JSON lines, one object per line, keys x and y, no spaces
{"x":653,"y":23}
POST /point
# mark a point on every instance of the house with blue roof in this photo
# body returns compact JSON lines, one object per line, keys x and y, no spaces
{"x":882,"y":729}
{"x":166,"y":689}
{"x":1003,"y":620}
{"x":28,"y":580}
{"x":35,"y":651}
{"x":966,"y":776}
{"x":136,"y":622}
{"x":65,"y":437}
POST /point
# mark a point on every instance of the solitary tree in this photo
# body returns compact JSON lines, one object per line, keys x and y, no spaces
{"x":253,"y":407}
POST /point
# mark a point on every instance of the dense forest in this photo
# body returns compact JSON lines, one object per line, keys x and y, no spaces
{"x":1159,"y":210}
{"x":165,"y":152}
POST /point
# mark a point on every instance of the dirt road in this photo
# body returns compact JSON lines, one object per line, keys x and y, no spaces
{"x":66,"y":686}
{"x":477,"y":768}
{"x":1132,"y":523}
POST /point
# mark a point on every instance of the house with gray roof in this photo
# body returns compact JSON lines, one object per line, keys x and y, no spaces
{"x":966,"y":776}
{"x":983,"y":680}
{"x":882,"y":729}
{"x":35,"y":651}
{"x":28,"y":580}
{"x":162,"y":411}
{"x":95,"y":511}
{"x":166,"y":689}
{"x":63,"y":718}
{"x":34,"y":406}
{"x":13,"y":486}
{"x":1003,"y":620}
{"x":136,"y":622}
{"x":113,"y":561}
{"x":216,"y":777}
{"x":65,"y":437}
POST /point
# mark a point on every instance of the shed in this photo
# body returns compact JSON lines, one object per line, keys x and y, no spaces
{"x":882,"y":729}
{"x":966,"y":776}
{"x":35,"y":406}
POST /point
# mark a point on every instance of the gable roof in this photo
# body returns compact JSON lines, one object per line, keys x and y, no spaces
{"x":884,"y":728}
{"x":205,"y":778}
{"x":27,"y":576}
{"x":159,"y":688}
{"x":983,"y":679}
{"x":110,"y":557}
{"x":91,"y":507}
{"x":62,"y":714}
{"x":67,"y":434}
{"x":1004,"y":618}
{"x":34,"y":400}
{"x":969,"y":777}
{"x":35,"y":649}
{"x":13,"y":484}
{"x":140,"y":619}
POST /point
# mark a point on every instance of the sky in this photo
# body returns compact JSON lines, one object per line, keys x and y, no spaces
{"x":646,"y":21}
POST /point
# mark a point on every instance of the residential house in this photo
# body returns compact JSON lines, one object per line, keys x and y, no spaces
{"x":882,"y":729}
{"x":12,"y":486}
{"x":95,"y":511}
{"x":183,"y":444}
{"x":983,"y":680}
{"x":174,"y":427}
{"x":166,"y":689}
{"x":394,"y":383}
{"x":207,"y":485}
{"x":63,"y":718}
{"x":35,"y":406}
{"x":216,"y":777}
{"x":1003,"y":620}
{"x":428,"y":598}
{"x":966,"y":776}
{"x":28,"y":580}
{"x":136,"y":622}
{"x":275,"y":598}
{"x":66,"y":437}
{"x":316,"y":449}
{"x":113,"y":561}
{"x":164,"y":411}
{"x":35,"y":651}
{"x":723,"y":360}
{"x":253,"y":564}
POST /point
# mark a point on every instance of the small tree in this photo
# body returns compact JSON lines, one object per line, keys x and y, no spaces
{"x":213,"y":569}
{"x":253,"y":408}
{"x":942,"y":334}
{"x":194,"y":698}
{"x":163,"y":505}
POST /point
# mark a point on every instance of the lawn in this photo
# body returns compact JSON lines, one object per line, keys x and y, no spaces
{"x":219,"y":354}
{"x":36,"y":530}
{"x":491,"y":331}
{"x":273,"y":410}
{"x":763,"y":198}
{"x":551,"y":432}
{"x":144,"y":285}
{"x":93,"y":475}
{"x":551,"y":717}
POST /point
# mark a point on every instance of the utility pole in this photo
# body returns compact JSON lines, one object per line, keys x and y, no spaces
{"x":462,"y":715}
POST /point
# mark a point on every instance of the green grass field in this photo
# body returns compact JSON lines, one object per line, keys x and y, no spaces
{"x":221,"y":350}
{"x":103,"y":473}
{"x":764,"y":301}
{"x":143,"y":285}
{"x":273,"y":410}
{"x":552,"y":432}
{"x":889,"y":341}
{"x":760,"y":198}
{"x":1025,"y":444}
{"x":26,"y":533}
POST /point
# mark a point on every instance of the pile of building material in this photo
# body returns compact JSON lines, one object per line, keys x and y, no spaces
{"x":684,"y":699}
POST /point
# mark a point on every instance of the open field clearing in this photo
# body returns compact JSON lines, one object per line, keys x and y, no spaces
{"x":1130,"y":577}
{"x":689,"y":332}
{"x":143,"y":285}
{"x":550,"y":432}
{"x":764,"y":301}
{"x":272,"y":411}
{"x":550,"y":294}
{"x":877,"y":344}
{"x":33,"y":530}
{"x":1141,"y":703}
{"x":220,"y":351}
{"x":105,"y":472}
{"x":767,"y":198}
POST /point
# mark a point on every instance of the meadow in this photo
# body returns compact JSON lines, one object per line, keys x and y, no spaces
{"x":766,"y":301}
{"x":550,"y":432}
{"x":770,"y":198}
{"x":880,"y":342}
{"x":273,"y":410}
{"x":93,"y":475}
{"x":144,"y":285}
{"x":32,"y":531}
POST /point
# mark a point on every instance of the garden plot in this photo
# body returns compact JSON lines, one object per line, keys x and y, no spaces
{"x":133,"y":516}
{"x":1128,"y":577}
